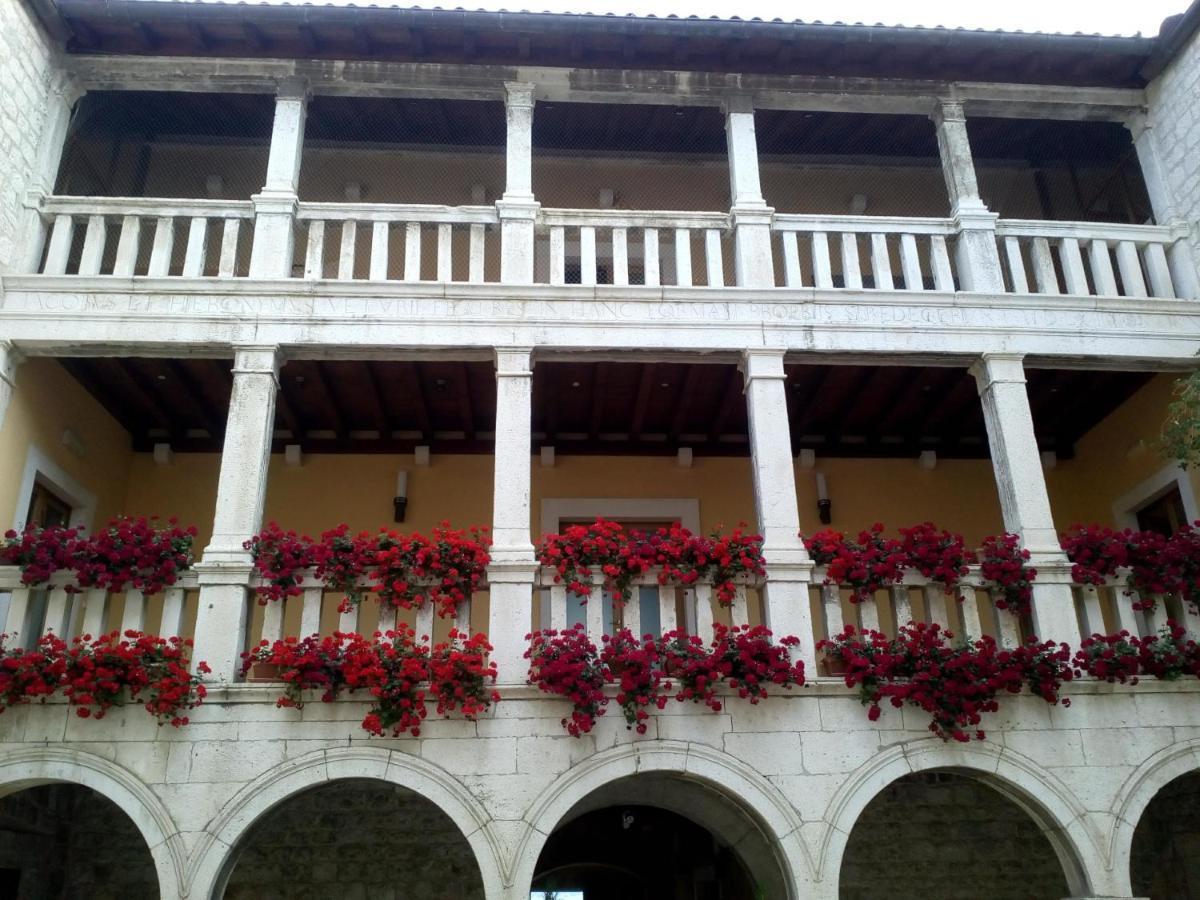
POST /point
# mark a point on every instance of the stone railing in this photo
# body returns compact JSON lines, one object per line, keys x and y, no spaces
{"x":51,"y":608}
{"x":394,"y":250}
{"x":598,"y":244}
{"x":409,"y":243}
{"x":1085,"y":258}
{"x":896,"y":253}
{"x":126,"y":236}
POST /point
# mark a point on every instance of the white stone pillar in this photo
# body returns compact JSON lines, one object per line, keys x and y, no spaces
{"x":225,"y":570}
{"x":789,"y":570}
{"x":31,"y":235}
{"x":275,"y":206}
{"x":977,"y":255}
{"x":1024,"y":500}
{"x":10,"y":358}
{"x":511,"y":573}
{"x":517,"y":208}
{"x":750,"y":215}
{"x":1183,"y":256}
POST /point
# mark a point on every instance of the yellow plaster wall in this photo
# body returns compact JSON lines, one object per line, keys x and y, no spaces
{"x":45,"y":402}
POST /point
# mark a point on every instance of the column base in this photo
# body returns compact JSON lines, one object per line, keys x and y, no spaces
{"x":221,"y":619}
{"x":510,"y":616}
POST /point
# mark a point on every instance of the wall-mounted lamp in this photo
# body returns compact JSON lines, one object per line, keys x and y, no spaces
{"x":400,"y":501}
{"x":824,"y":505}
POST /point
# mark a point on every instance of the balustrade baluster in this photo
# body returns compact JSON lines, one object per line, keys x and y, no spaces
{"x":347,"y":250}
{"x":715,"y":265}
{"x":310,"y":613}
{"x":1130,"y":267}
{"x":272,"y":623}
{"x":943,"y":275}
{"x":1016,"y":265}
{"x":972,"y":624}
{"x":412,"y":251}
{"x":196,"y":252}
{"x":380,"y":235}
{"x":851,"y":265}
{"x":620,"y":254}
{"x":387,"y":618}
{"x":1009,"y":627}
{"x":1102,"y":270}
{"x":650,"y":265}
{"x":314,"y":255}
{"x":1043,"y":266}
{"x":739,"y":613}
{"x":1154,"y":618}
{"x":93,"y":246}
{"x":792,"y":276}
{"x":901,"y":605}
{"x":127,"y":246}
{"x":587,"y":255}
{"x":18,"y":612}
{"x":162,"y":247}
{"x":174,"y":609}
{"x":558,"y":255}
{"x":594,"y":612}
{"x":59,"y":250}
{"x":1183,"y":613}
{"x":868,"y":615}
{"x":831,"y":610}
{"x":348,"y":619}
{"x":881,"y":263}
{"x":1160,"y":272}
{"x":462,"y":616}
{"x":910,"y":263}
{"x":632,"y":613}
{"x":445,"y":252}
{"x":95,"y":611}
{"x":703,"y":594}
{"x":424,"y":621}
{"x":683,"y":257}
{"x":58,"y":612}
{"x":822,"y":269}
{"x":475,"y":265}
{"x":558,"y":607}
{"x":133,"y":617}
{"x":1127,"y":616}
{"x":230,"y":232}
{"x":1072,"y":265}
{"x":1092,"y":618}
{"x":935,"y":605}
{"x":666,"y":608}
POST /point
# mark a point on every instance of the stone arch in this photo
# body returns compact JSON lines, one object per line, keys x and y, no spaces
{"x":739,"y":786}
{"x":1135,"y":796}
{"x":1049,"y":803}
{"x":214,"y":857}
{"x":50,"y":765}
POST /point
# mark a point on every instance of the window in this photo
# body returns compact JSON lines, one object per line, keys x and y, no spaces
{"x":1165,"y":514}
{"x":47,"y":508}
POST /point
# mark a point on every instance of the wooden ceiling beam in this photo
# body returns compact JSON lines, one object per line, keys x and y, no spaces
{"x":84,"y":372}
{"x":599,"y":382}
{"x":642,"y":403}
{"x":421,"y":402}
{"x":684,"y":404}
{"x":191,"y":390}
{"x":375,"y":400}
{"x":466,"y":408}
{"x":144,"y":394}
{"x":729,"y":402}
{"x":335,"y":413}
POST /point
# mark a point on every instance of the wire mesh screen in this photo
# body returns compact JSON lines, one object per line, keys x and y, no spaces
{"x":850,"y":163}
{"x":1058,"y":170}
{"x":167,"y":144}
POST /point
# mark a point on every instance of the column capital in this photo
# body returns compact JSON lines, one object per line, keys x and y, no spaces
{"x":998,"y":368}
{"x":519,"y":94}
{"x":292,"y":87}
{"x":223,"y":571}
{"x":514,"y":362}
{"x":513,"y":570}
{"x":762,"y":362}
{"x":737,"y":103}
{"x":10,"y":358}
{"x":1137,"y":123}
{"x":275,"y":202}
{"x":948,"y":109}
{"x":257,"y":359}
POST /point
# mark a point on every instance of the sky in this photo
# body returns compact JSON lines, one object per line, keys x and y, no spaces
{"x":1088,"y":16}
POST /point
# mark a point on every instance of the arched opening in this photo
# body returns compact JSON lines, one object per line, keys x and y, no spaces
{"x":1165,"y":861}
{"x":950,"y":836}
{"x":354,"y":838}
{"x":68,"y":842}
{"x":658,"y":835}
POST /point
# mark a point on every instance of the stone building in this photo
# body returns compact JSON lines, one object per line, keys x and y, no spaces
{"x":258,"y":260}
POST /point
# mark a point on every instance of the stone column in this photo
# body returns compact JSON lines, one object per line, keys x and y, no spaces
{"x":275,"y":206}
{"x":977,"y":256}
{"x":10,"y":358}
{"x":789,"y":570}
{"x":518,"y":208}
{"x":511,"y":573}
{"x":1183,"y":256}
{"x":225,"y":569}
{"x":750,"y":215}
{"x":31,"y":234}
{"x":1024,"y":501}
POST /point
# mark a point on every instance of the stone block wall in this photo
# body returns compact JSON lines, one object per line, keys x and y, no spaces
{"x":1175,"y":116}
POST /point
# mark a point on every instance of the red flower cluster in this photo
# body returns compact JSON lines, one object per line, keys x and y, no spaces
{"x":402,"y":570}
{"x":126,"y":552}
{"x":1157,"y":565}
{"x":392,"y":667}
{"x":1004,"y":566}
{"x":1123,"y":657}
{"x":955,"y":683}
{"x":95,"y":674}
{"x":619,"y":555}
{"x":645,"y":671}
